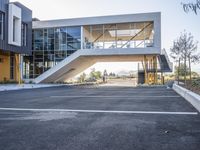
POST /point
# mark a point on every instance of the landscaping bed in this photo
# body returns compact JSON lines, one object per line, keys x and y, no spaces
{"x":194,"y":86}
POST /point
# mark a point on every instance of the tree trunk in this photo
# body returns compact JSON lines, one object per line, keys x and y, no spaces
{"x":178,"y":69}
{"x":190,"y":70}
{"x":185,"y":69}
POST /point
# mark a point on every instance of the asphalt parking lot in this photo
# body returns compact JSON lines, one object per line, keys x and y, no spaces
{"x":97,"y":118}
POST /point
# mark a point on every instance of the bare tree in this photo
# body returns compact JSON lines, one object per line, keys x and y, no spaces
{"x":191,"y":6}
{"x":185,"y":48}
{"x":176,"y":55}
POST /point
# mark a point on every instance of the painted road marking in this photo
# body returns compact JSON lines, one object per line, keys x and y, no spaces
{"x":99,"y":111}
{"x":90,"y":96}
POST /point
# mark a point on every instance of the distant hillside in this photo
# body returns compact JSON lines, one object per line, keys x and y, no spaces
{"x":126,"y":73}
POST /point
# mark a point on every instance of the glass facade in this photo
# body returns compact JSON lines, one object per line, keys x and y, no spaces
{"x":52,"y":45}
{"x":121,"y":35}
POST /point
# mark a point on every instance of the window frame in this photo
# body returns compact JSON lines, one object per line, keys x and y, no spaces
{"x":24,"y":34}
{"x":2,"y":22}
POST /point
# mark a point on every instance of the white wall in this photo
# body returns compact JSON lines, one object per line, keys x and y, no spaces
{"x":14,"y":13}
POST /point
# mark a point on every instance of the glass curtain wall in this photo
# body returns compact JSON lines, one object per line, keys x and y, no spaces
{"x":121,"y":35}
{"x":50,"y":46}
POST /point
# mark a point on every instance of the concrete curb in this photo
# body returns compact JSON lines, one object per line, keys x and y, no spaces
{"x":190,"y":96}
{"x":15,"y":87}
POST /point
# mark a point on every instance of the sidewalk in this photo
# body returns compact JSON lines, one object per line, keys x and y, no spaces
{"x":9,"y":87}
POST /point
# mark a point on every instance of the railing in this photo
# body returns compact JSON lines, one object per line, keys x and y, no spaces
{"x":118,"y":44}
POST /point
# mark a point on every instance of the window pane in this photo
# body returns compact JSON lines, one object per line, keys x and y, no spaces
{"x":51,"y":39}
{"x":38,"y":39}
{"x":51,"y":33}
{"x":74,"y":31}
{"x":24,"y":34}
{"x":73,"y":38}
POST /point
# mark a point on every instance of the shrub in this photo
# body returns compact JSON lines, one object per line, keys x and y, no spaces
{"x":196,"y":83}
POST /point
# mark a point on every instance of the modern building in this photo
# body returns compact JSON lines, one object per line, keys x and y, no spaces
{"x":15,"y":39}
{"x":63,"y":48}
{"x":56,"y":50}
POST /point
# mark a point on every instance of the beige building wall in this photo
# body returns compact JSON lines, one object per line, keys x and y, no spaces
{"x":5,"y":67}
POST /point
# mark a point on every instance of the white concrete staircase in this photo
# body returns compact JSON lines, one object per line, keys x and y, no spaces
{"x":84,"y":58}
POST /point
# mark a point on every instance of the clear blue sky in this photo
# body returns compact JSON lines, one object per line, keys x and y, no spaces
{"x":174,"y":20}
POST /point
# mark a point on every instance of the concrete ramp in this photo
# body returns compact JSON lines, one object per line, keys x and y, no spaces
{"x":67,"y":68}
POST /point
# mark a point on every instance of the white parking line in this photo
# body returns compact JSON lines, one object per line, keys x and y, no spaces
{"x":99,"y":111}
{"x":90,"y":96}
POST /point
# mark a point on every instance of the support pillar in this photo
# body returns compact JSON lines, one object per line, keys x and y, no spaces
{"x":156,"y":67}
{"x":17,"y":68}
{"x":162,"y":79}
{"x":155,"y":70}
{"x":145,"y":69}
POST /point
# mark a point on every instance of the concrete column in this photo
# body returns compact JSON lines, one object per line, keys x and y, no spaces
{"x":21,"y":66}
{"x":82,"y":38}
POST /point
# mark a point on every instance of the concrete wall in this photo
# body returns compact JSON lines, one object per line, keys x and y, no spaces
{"x":190,"y":96}
{"x":14,"y":25}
